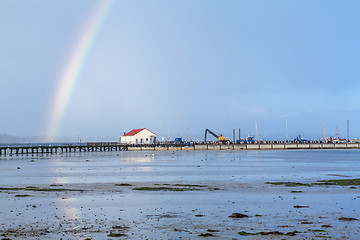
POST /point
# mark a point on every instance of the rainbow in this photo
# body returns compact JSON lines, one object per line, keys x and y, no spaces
{"x":70,"y":74}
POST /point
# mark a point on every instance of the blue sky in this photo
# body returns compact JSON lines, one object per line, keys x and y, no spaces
{"x":170,"y":66}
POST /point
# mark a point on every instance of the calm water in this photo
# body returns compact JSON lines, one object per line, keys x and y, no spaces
{"x":243,"y":166}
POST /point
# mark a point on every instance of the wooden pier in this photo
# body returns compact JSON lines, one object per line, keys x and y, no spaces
{"x":61,"y":148}
{"x":114,"y":146}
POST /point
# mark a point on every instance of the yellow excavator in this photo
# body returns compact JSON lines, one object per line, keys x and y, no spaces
{"x":219,"y":137}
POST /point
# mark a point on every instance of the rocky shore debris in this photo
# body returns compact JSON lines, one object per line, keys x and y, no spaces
{"x":175,"y":189}
{"x":119,"y":231}
{"x":238,"y":215}
{"x":307,"y":222}
{"x":243,"y":233}
{"x":206,"y":235}
{"x":120,"y":227}
{"x":299,"y":206}
{"x":348,"y":219}
{"x":111,"y":234}
{"x":123,"y":185}
{"x":326,"y":226}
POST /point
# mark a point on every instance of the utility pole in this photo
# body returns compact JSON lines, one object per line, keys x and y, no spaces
{"x":187,"y":134}
{"x":256,"y":130}
{"x":324,"y":130}
{"x":337,"y":134}
{"x":234,"y":135}
{"x":168,"y":132}
{"x":286,"y":127}
{"x":348,"y":130}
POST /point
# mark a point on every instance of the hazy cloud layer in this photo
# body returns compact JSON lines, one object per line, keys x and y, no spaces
{"x":184,"y":66}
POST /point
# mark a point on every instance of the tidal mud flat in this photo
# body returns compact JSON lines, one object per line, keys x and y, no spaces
{"x":307,"y":194}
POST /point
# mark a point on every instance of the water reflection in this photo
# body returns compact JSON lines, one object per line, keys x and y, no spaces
{"x":138,"y":157}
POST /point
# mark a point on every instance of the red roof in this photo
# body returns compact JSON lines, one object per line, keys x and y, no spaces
{"x":136,"y":131}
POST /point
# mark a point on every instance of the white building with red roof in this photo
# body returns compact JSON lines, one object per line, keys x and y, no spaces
{"x":138,"y":136}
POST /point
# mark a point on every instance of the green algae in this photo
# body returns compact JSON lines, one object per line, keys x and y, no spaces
{"x":340,"y":182}
{"x":336,"y":182}
{"x":189,"y":185}
{"x":290,"y":184}
{"x":243,"y":233}
{"x":317,"y":230}
{"x":123,"y":185}
{"x":175,"y":189}
{"x":22,"y":195}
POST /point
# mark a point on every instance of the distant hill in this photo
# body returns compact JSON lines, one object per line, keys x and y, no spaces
{"x":5,"y":138}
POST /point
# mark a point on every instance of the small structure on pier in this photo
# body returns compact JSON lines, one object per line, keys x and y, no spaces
{"x":138,"y":136}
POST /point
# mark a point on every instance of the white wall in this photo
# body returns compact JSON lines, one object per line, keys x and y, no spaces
{"x":143,"y":137}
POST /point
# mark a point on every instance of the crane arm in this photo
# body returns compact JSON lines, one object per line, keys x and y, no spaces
{"x":212,"y":133}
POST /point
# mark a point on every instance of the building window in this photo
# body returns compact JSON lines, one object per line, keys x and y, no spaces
{"x":147,"y":139}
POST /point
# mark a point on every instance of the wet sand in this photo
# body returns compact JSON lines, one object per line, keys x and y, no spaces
{"x":180,"y":195}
